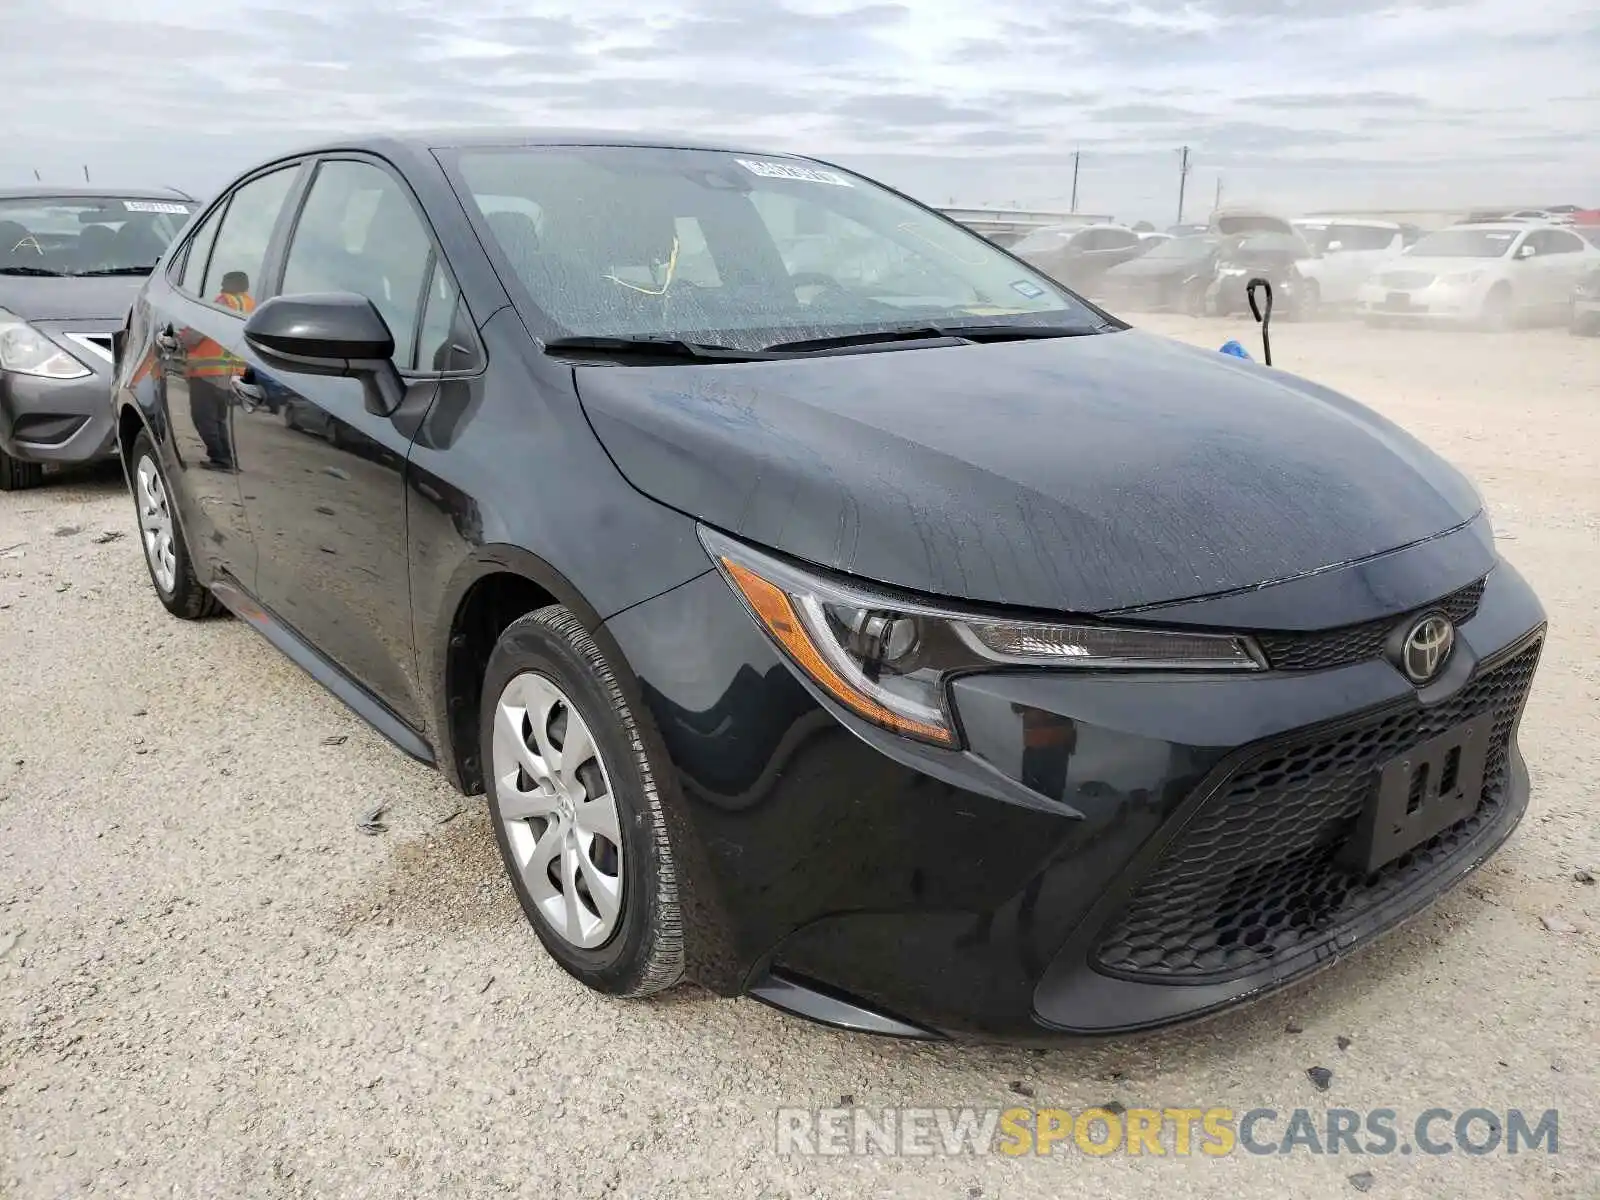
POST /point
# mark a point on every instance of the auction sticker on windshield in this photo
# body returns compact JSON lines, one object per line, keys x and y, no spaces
{"x":155,"y":206}
{"x":778,"y":170}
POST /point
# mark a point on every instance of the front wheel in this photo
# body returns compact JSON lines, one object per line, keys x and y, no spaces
{"x":17,"y":475}
{"x":1497,"y":309}
{"x":1310,"y":301}
{"x":165,"y":552}
{"x":576,"y":810}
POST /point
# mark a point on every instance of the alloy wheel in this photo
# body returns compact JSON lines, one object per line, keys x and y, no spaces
{"x":560,"y":815}
{"x":155,"y":525}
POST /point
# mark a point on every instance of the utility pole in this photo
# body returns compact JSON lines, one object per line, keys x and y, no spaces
{"x":1183,"y":179}
{"x":1217,"y":203}
{"x":1076,"y":155}
{"x":86,"y":172}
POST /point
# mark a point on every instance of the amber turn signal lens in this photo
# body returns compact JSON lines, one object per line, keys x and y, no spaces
{"x":777,"y":614}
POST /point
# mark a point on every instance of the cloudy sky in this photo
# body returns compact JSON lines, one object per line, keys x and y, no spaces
{"x":1296,"y":103}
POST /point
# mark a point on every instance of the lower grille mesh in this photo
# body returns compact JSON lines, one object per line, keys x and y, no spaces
{"x":1255,"y":876}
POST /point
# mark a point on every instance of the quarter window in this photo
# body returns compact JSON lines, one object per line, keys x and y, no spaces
{"x":240,"y":250}
{"x":358,"y":232}
{"x":199,"y":252}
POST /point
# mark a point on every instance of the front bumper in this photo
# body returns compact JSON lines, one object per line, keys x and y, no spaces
{"x":1437,"y":302}
{"x":1061,"y":876}
{"x":57,"y":420}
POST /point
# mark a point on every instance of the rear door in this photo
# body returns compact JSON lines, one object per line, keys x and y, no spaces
{"x":1568,"y":260}
{"x":323,"y":478}
{"x":197,"y":328}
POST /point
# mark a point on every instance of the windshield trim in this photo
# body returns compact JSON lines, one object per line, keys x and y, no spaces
{"x":545,"y":325}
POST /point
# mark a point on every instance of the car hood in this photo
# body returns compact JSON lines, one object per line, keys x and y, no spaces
{"x":1440,"y":266}
{"x":1159,"y":268}
{"x":1084,"y":474}
{"x":71,"y":297}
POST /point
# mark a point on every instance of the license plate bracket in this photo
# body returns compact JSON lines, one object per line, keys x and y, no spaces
{"x":1422,"y":793}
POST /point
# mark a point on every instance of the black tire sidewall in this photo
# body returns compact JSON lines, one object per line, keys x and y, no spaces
{"x":189,"y":598}
{"x":536,"y":643}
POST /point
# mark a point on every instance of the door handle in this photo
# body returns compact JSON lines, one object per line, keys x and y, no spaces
{"x":167,"y":340}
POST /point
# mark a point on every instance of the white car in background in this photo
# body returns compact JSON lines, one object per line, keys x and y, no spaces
{"x":1350,"y":250}
{"x":1497,"y":274}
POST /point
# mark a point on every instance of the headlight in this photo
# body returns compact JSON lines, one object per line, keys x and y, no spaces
{"x":1464,"y":277}
{"x":889,"y":659}
{"x":26,"y":351}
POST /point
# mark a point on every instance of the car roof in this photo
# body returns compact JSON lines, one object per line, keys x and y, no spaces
{"x":468,"y":138}
{"x":1504,"y":226}
{"x":83,"y":191}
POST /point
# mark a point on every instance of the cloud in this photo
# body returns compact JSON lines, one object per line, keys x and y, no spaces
{"x":1302,"y":104}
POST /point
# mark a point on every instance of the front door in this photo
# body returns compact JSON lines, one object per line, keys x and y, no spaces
{"x":323,"y":479}
{"x":199,"y":325}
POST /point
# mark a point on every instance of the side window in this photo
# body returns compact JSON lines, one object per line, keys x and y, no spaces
{"x":199,"y":251}
{"x":445,"y":340}
{"x":358,"y":232}
{"x":1558,"y":241}
{"x":240,"y":249}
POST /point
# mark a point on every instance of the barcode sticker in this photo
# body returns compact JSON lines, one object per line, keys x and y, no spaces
{"x":781,"y":170}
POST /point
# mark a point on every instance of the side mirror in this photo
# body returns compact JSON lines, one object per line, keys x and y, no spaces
{"x":333,"y":333}
{"x":1527,"y":250}
{"x":1334,"y":247}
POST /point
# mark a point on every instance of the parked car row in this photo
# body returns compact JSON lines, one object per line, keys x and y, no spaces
{"x":1493,"y":274}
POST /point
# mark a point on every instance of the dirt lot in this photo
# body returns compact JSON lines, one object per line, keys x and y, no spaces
{"x":211,"y":984}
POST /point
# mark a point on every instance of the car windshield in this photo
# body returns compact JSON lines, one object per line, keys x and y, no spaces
{"x":1464,"y":243}
{"x":739,"y":250}
{"x":1266,"y":245}
{"x":86,"y":235}
{"x":1182,"y":248}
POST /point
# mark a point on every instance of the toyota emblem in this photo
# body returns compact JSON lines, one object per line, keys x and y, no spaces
{"x":1427,"y":647}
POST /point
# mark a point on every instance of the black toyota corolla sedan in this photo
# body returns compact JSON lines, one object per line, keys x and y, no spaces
{"x":71,"y":260}
{"x":900,"y":640}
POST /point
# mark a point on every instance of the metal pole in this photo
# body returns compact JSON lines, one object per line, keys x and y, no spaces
{"x":1076,"y":155}
{"x":1217,"y":203}
{"x":1183,"y":179}
{"x":86,"y":172}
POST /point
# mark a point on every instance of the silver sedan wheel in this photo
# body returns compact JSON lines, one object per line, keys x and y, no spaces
{"x":155,"y":524}
{"x":560,"y":816}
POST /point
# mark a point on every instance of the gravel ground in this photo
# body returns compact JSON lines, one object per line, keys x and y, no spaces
{"x":211,"y":984}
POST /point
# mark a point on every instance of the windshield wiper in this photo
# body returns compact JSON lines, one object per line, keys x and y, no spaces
{"x":43,"y":271}
{"x":652,"y":347}
{"x":924,"y":333}
{"x":118,"y":271}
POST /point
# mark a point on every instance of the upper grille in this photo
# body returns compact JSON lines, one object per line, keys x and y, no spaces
{"x":1406,"y":279}
{"x":1256,"y":877}
{"x":1356,"y":643}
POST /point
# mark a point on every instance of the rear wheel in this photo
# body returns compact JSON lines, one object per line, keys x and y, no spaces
{"x":17,"y":475}
{"x":165,"y":553}
{"x":575,"y":808}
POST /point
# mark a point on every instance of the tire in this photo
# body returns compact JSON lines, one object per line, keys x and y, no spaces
{"x":1497,"y":310}
{"x":166,"y":554}
{"x":17,"y":475}
{"x":547,"y":663}
{"x":1310,"y":302}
